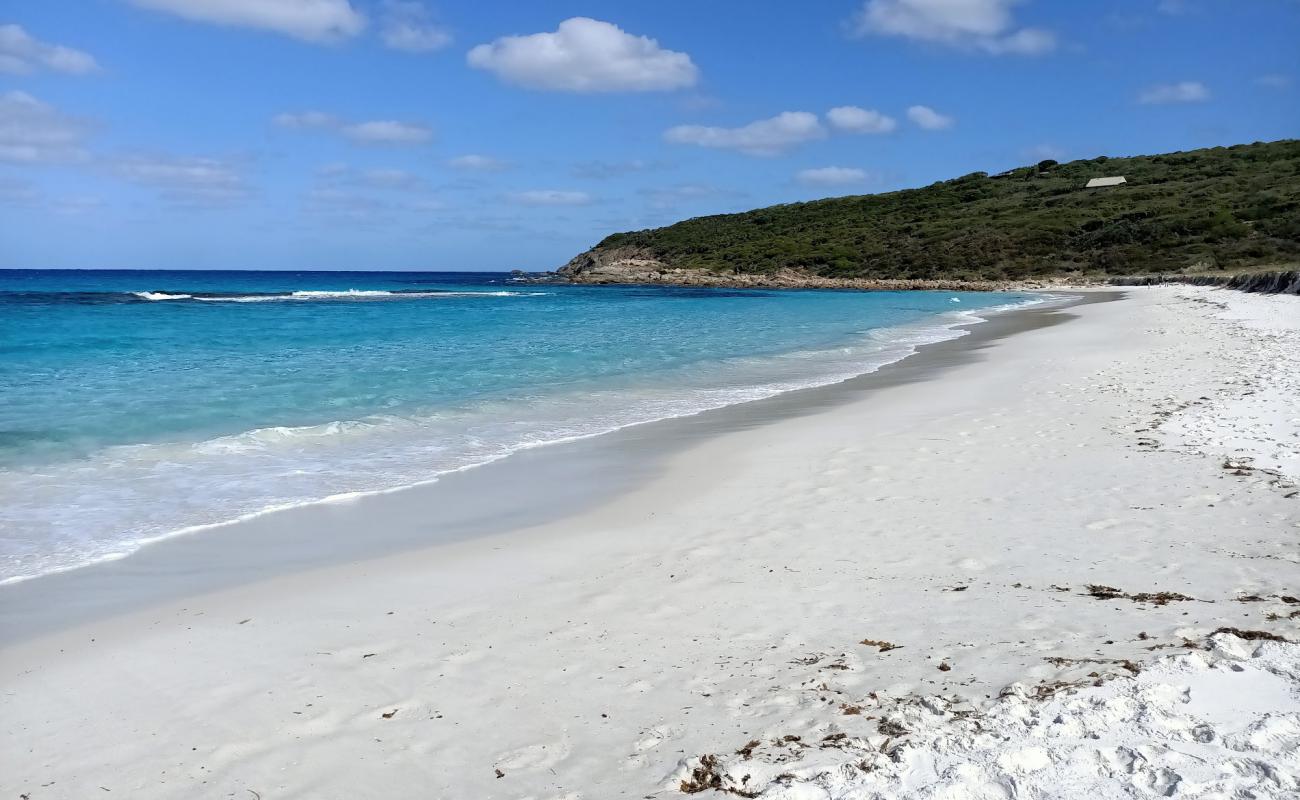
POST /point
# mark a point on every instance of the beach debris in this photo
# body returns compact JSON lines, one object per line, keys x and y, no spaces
{"x":499,"y":773}
{"x":1062,"y":661}
{"x":242,"y":621}
{"x":1239,"y":466}
{"x":1102,"y":592}
{"x":944,"y":666}
{"x":883,"y":646}
{"x":389,"y":714}
{"x":1253,"y":635}
{"x":369,"y":655}
{"x":891,"y":728}
{"x":704,"y":776}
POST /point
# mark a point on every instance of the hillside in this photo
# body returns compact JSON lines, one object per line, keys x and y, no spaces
{"x":1223,"y":207}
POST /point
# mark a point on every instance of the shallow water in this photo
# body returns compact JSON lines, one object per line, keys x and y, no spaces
{"x":134,"y":405}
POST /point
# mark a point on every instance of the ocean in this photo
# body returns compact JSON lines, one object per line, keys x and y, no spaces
{"x":137,"y":405}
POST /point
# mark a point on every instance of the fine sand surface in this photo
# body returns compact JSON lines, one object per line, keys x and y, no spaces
{"x":919,"y":586}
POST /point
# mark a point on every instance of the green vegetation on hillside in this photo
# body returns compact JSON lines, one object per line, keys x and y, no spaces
{"x":1219,"y":208}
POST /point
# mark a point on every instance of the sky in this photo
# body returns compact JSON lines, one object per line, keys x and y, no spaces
{"x":439,"y":135}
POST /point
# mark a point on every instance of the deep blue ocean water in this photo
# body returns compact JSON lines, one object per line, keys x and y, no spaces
{"x":136,"y":404}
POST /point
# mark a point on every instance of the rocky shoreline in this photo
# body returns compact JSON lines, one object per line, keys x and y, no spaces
{"x":1278,"y":282}
{"x":633,"y":266}
{"x":627,"y":266}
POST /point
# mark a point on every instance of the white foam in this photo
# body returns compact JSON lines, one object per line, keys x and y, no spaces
{"x":357,"y":294}
{"x":162,"y":296}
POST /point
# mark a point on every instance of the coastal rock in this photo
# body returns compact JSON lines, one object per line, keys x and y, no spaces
{"x":632,"y":266}
{"x":1278,"y":282}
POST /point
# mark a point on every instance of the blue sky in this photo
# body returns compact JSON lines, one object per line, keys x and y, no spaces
{"x":406,"y":134}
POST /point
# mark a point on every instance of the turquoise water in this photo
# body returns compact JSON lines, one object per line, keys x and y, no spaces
{"x":134,"y":405}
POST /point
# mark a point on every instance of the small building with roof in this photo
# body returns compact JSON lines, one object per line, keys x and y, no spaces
{"x":1097,"y":183}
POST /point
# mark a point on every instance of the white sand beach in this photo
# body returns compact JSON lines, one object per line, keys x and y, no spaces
{"x":1001,"y":582}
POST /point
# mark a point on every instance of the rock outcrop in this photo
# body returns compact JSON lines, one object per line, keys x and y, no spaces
{"x":628,"y":265}
{"x":1278,"y":282}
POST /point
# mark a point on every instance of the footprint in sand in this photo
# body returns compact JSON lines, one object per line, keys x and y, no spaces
{"x":534,"y":756}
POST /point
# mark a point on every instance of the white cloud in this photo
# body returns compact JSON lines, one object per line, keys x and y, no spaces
{"x":929,"y":119}
{"x":384,"y":131}
{"x":832,"y":176}
{"x":369,"y":196}
{"x":860,"y":120}
{"x":33,"y":132}
{"x":1170,"y":93}
{"x":1043,"y":152}
{"x":305,"y":119}
{"x":473,"y":162}
{"x":986,"y":25}
{"x":585,"y":55}
{"x":391,"y":179}
{"x":766,"y":137}
{"x":17,"y":192}
{"x":387,"y":132}
{"x":184,"y":181}
{"x":1274,"y":81}
{"x":669,"y":197}
{"x":549,"y":197}
{"x":22,"y":54}
{"x":408,"y":26}
{"x":602,"y":170}
{"x":309,"y":20}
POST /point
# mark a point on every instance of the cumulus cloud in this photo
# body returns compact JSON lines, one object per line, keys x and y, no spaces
{"x":766,"y":137}
{"x":308,"y":20}
{"x":473,"y":162}
{"x":387,"y":131}
{"x":23,"y":54}
{"x":384,"y":131}
{"x":928,"y":119}
{"x":182,"y":180}
{"x":408,"y":26}
{"x":852,"y":119}
{"x":984,"y":25}
{"x":1170,"y":93}
{"x":33,"y":132}
{"x":832,"y":176}
{"x":549,"y":197}
{"x":585,"y":55}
